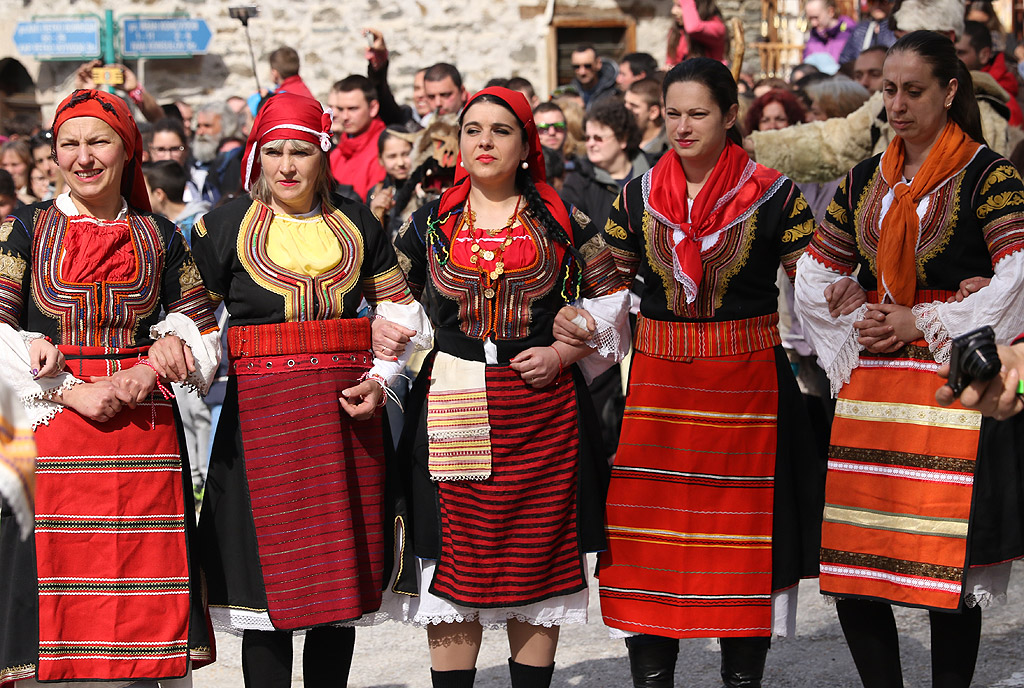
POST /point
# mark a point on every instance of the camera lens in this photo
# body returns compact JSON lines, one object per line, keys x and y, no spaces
{"x":982,"y":362}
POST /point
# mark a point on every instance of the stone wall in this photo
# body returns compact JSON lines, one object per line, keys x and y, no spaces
{"x":484,"y":39}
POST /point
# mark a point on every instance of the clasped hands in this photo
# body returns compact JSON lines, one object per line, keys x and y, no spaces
{"x":100,"y":398}
{"x":885,"y":327}
{"x":538,"y":366}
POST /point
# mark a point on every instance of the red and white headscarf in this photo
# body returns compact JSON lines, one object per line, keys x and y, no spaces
{"x":112,"y":110}
{"x":286,"y":116}
{"x":459,"y":192}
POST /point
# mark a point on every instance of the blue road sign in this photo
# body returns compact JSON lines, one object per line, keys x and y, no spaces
{"x":71,"y":38}
{"x":164,"y":37}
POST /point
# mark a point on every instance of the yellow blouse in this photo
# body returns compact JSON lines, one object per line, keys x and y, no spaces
{"x":303,"y":244}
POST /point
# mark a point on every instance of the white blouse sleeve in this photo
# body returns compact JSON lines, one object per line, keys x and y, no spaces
{"x":833,"y":339}
{"x":15,"y":368}
{"x":412,"y":316}
{"x":206,"y":349}
{"x":1000,"y":304}
{"x":612,"y":337}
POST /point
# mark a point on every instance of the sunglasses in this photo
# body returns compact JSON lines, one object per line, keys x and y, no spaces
{"x":589,"y":67}
{"x":596,"y":138}
{"x":543,"y":128}
{"x":172,"y":149}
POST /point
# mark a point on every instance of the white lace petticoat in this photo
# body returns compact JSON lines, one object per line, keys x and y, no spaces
{"x":428,"y":609}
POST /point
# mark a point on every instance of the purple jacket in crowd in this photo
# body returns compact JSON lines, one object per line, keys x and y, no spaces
{"x":831,"y":41}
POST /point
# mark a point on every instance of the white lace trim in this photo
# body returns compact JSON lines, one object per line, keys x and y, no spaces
{"x":495,"y":623}
{"x":612,"y":338}
{"x":30,"y":337}
{"x":42,"y":408}
{"x":205,"y":348}
{"x":926,"y":318}
{"x":235,"y":621}
{"x":847,"y":357}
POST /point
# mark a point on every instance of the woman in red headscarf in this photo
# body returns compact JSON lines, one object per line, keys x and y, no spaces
{"x":715,"y":496}
{"x":107,"y":589}
{"x":292,"y":530}
{"x":507,"y":489}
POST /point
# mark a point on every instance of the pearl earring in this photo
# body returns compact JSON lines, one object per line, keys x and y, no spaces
{"x":526,"y":165}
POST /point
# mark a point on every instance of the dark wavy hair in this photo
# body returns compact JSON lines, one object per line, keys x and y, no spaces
{"x":939,"y":53}
{"x":795,"y":112}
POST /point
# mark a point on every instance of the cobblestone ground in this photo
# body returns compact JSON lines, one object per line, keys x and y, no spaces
{"x":395,"y":656}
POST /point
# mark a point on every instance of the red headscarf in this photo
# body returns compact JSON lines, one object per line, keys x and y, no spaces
{"x":285,"y":116}
{"x":113,"y":111}
{"x":457,"y":194}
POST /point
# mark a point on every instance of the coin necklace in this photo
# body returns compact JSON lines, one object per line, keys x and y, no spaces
{"x":489,"y":278}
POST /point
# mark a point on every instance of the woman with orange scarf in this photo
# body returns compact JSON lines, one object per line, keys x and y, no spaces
{"x":714,"y":501}
{"x":922,"y":504}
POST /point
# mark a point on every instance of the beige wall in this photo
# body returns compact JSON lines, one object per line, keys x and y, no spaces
{"x":483,"y":38}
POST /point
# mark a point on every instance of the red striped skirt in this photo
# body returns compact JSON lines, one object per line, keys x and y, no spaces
{"x":689,"y":515}
{"x":512,"y":540}
{"x":899,"y":487}
{"x":110,"y":541}
{"x":316,"y":485}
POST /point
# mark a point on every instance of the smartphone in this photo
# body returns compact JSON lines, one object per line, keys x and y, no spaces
{"x":108,"y":76}
{"x":369,"y":39}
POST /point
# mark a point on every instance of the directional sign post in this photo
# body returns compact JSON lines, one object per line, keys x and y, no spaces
{"x":68,"y":38}
{"x":164,"y":37}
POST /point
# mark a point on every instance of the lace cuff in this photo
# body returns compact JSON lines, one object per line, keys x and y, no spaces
{"x":926,"y":317}
{"x":412,"y":316}
{"x":847,"y":357}
{"x":612,"y":337}
{"x":37,"y":396}
{"x":205,"y":348}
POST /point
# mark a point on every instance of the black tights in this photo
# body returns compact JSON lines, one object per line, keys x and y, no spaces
{"x":871,"y":634}
{"x":652,"y":661}
{"x":326,"y":658}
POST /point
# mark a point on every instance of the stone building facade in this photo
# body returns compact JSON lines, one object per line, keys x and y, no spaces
{"x":484,"y":39}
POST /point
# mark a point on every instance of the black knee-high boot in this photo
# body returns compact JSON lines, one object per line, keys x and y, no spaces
{"x":267,"y":659}
{"x":526,"y":676}
{"x":457,"y":678}
{"x":955,"y":640}
{"x":871,"y":635}
{"x":743,"y":661}
{"x":652,"y":660}
{"x":327,"y":656}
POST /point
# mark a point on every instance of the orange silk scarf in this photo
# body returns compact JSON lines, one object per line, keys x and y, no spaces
{"x":897,"y":243}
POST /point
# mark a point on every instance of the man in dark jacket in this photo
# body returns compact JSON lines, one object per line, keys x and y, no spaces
{"x":595,"y":77}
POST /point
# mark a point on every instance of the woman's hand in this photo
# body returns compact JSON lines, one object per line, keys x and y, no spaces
{"x":382,"y":202}
{"x":99,"y":401}
{"x":389,"y":339}
{"x":568,"y":332}
{"x":968,"y":287}
{"x":360,"y":402}
{"x":133,"y":385}
{"x":538,"y":366}
{"x":887,"y":327}
{"x":997,"y":398}
{"x":875,"y":335}
{"x":844,"y":297}
{"x":172,"y":358}
{"x":46,"y":359}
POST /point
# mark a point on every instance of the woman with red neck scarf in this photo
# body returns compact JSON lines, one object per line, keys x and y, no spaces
{"x":507,"y":487}
{"x":715,"y":479}
{"x":293,"y":530}
{"x":108,"y":588}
